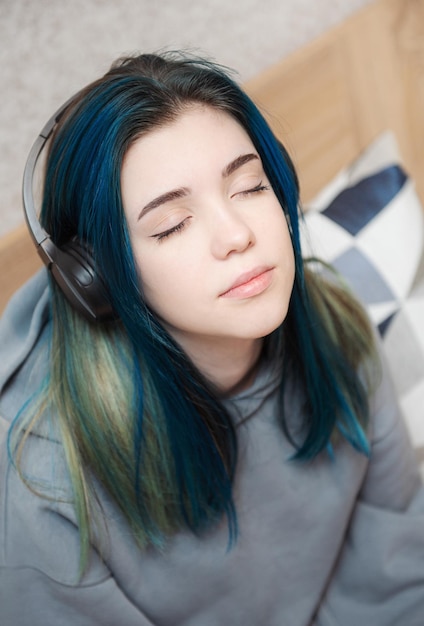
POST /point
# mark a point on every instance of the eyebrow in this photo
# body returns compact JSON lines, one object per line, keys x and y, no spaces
{"x":237,"y":163}
{"x":175,"y":194}
{"x":168,"y":196}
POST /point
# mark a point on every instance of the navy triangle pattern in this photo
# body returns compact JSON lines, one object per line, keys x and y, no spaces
{"x":384,"y":325}
{"x":355,"y":206}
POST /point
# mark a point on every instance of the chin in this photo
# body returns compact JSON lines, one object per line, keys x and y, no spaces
{"x":268,"y":324}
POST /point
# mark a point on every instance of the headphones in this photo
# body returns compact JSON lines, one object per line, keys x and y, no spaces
{"x":71,"y":265}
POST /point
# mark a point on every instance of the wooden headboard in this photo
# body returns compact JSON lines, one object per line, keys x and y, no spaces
{"x":326,"y":102}
{"x":330,"y":99}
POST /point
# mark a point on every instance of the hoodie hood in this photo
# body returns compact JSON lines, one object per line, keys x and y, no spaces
{"x":22,"y":325}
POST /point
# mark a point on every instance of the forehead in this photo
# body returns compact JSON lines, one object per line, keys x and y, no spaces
{"x":199,"y":130}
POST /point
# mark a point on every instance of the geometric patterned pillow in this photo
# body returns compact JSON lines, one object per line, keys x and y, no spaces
{"x":369,"y":224}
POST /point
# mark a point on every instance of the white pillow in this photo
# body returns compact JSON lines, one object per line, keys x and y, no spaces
{"x":368,"y":222}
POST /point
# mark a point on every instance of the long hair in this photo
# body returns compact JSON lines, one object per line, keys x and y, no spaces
{"x":134,"y":411}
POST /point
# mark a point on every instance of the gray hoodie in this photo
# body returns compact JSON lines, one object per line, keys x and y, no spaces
{"x":331,"y":543}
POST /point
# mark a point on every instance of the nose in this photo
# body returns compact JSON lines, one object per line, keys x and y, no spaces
{"x":231,"y":233}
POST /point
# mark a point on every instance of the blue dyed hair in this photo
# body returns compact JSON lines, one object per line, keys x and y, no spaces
{"x":83,"y":198}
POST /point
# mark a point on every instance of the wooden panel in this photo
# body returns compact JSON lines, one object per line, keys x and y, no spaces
{"x":311,"y":113}
{"x":18,"y":261}
{"x":373,"y":65}
{"x":410,"y":43}
{"x":331,"y":98}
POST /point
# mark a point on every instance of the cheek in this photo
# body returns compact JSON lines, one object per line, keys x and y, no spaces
{"x":287,"y":244}
{"x":153,"y":279}
{"x":275,"y":232}
{"x":165,"y":283}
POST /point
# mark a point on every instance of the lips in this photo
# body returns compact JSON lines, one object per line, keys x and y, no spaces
{"x":250,"y":283}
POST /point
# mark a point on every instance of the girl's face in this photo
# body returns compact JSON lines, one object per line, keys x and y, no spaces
{"x":209,"y":237}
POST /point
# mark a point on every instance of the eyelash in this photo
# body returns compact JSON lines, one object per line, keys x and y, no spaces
{"x":260,"y":187}
{"x":171,"y":231}
{"x":179,"y":227}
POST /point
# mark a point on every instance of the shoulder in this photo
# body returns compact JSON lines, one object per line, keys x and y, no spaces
{"x":24,"y":329}
{"x":393,"y":476}
{"x":38,"y":530}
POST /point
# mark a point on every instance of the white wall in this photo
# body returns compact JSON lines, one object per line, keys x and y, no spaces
{"x":51,"y":48}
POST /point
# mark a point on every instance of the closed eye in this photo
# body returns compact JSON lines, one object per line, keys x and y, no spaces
{"x":170,"y":231}
{"x":257,"y":189}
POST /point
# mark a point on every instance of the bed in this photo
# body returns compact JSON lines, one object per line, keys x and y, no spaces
{"x":332,"y":103}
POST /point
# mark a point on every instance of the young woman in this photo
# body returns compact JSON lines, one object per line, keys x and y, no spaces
{"x":220,"y":444}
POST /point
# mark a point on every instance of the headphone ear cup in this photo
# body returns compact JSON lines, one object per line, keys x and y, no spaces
{"x":74,"y":271}
{"x":72,"y":266}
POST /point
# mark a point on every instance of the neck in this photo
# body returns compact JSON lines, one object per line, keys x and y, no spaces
{"x":229,"y":365}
